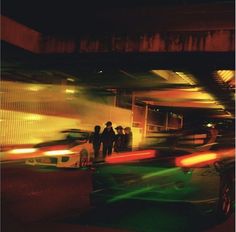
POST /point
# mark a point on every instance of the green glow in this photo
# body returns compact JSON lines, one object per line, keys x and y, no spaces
{"x":129,"y":194}
{"x":160,"y":173}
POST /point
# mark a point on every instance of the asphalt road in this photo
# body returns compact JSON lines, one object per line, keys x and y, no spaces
{"x":36,"y":199}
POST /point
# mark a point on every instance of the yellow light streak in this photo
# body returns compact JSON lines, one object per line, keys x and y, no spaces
{"x":195,"y":89}
{"x":70,"y":91}
{"x":198,"y":159}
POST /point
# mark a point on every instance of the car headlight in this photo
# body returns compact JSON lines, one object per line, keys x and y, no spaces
{"x":23,"y":150}
{"x":58,"y":152}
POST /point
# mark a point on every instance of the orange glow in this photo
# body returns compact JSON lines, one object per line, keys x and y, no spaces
{"x":196,"y":159}
{"x":226,"y":153}
{"x":130,"y":156}
{"x":18,"y":154}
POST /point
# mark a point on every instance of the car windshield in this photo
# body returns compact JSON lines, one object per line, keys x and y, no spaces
{"x":77,"y":136}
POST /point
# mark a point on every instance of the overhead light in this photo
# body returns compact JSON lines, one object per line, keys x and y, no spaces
{"x":161,"y":73}
{"x":209,"y":125}
{"x":226,"y":75}
{"x":187,"y":78}
{"x":70,"y":79}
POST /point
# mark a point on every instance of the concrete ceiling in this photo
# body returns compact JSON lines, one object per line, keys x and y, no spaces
{"x":73,"y":18}
{"x":137,"y":72}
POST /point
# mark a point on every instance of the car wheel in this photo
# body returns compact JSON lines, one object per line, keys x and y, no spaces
{"x":226,"y":199}
{"x":83,"y":158}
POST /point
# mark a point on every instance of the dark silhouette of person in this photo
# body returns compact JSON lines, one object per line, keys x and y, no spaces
{"x":119,"y":140}
{"x":95,"y":139}
{"x":128,"y":139}
{"x":108,"y":137}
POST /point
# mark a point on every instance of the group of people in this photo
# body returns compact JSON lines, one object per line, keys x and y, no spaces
{"x":120,"y":141}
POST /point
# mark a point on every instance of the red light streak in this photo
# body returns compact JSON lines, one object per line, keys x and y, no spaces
{"x":130,"y":156}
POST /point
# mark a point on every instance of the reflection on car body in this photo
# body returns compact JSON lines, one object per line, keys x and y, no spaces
{"x":169,"y":175}
{"x":73,"y":151}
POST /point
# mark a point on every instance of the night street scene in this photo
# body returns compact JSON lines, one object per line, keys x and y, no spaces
{"x":117,"y":116}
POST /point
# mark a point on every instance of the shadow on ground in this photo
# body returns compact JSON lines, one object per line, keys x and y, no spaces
{"x":145,"y":217}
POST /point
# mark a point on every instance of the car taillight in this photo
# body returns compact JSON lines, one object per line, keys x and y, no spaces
{"x":130,"y":156}
{"x":200,"y":159}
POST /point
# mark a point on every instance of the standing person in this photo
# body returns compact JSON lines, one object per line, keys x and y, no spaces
{"x":95,"y":139}
{"x":107,"y":138}
{"x":128,"y":139}
{"x":119,"y":140}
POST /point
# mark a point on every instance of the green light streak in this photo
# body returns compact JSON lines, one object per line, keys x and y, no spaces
{"x":167,"y":171}
{"x":129,"y":194}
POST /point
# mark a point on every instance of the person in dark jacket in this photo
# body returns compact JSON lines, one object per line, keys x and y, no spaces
{"x":119,"y":140}
{"x":108,"y":137}
{"x":128,"y":139}
{"x":95,"y":139}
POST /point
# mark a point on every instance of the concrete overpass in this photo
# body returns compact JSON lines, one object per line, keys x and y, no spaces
{"x":179,"y":28}
{"x":197,"y":38}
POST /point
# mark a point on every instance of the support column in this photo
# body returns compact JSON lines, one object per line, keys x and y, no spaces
{"x":167,"y":121}
{"x":182,"y":122}
{"x":133,"y":107}
{"x":145,"y":121}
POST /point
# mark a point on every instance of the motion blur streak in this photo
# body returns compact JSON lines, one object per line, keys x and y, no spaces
{"x":58,"y":152}
{"x":23,"y":151}
{"x":188,"y":161}
{"x":130,"y":194}
{"x":126,"y":157}
{"x":226,"y":153}
{"x":5,"y":156}
{"x":35,"y":113}
{"x":203,"y":158}
{"x":167,"y":171}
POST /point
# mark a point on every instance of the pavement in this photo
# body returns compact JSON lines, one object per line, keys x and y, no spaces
{"x":36,"y":199}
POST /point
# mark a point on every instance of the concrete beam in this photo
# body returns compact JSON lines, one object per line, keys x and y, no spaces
{"x":170,"y":41}
{"x":203,"y":41}
{"x":20,"y":35}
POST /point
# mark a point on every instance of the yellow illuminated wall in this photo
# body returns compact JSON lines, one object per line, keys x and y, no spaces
{"x":32,"y":113}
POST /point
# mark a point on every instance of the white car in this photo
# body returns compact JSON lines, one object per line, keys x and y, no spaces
{"x":72,"y":152}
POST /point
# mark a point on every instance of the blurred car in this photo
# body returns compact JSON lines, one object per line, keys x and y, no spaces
{"x":73,"y":151}
{"x":204,"y":179}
